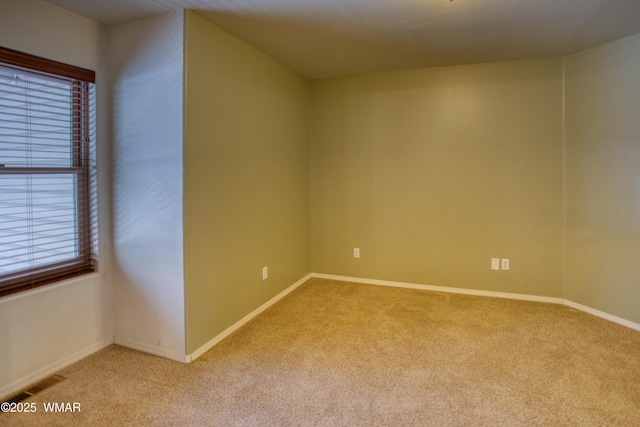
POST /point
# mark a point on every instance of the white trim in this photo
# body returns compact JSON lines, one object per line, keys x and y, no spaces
{"x":150,"y":349}
{"x":534,"y":298}
{"x":431,"y":288}
{"x":24,"y":382}
{"x":603,"y":315}
{"x":564,"y":177}
{"x":231,"y":329}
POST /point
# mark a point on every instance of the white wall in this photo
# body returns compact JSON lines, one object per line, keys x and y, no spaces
{"x":50,"y":327}
{"x":146,"y":67}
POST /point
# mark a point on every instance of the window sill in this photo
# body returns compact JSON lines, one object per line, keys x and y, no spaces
{"x":49,"y":287}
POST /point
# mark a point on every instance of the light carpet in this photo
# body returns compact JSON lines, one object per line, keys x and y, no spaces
{"x":343,"y":354}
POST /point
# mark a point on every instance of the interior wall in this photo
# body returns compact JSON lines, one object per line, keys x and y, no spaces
{"x":603,"y":178}
{"x":429,"y":172}
{"x":47,"y":328}
{"x":146,"y":68}
{"x":433,"y":172}
{"x":246,"y":179}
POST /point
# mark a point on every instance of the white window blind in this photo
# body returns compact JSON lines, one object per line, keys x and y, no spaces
{"x":47,"y":177}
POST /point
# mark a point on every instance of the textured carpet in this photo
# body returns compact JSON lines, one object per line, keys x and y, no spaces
{"x":342,"y":354}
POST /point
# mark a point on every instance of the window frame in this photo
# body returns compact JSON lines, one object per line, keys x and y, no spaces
{"x":80,"y":80}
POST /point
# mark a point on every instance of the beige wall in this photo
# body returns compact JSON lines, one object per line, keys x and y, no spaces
{"x":39,"y":28}
{"x":430,"y":172}
{"x":603,"y":178}
{"x":246,"y":179}
{"x":433,"y":172}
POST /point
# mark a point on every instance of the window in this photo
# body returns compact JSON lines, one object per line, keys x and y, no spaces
{"x":47,"y":171}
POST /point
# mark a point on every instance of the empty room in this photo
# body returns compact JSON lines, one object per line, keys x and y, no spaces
{"x":295,"y":212}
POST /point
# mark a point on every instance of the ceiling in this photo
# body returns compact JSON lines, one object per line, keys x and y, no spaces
{"x":330,"y":38}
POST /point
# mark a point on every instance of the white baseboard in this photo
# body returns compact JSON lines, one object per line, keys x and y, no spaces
{"x":534,"y":298}
{"x":146,"y":348}
{"x":231,"y":329}
{"x":448,"y":290}
{"x":21,"y":384}
{"x":603,"y":315}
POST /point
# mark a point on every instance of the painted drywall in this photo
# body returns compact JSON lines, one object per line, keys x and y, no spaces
{"x":39,"y":28}
{"x":433,"y":172}
{"x":603,"y":178}
{"x":246,"y":179}
{"x":146,"y":68}
{"x":47,"y":328}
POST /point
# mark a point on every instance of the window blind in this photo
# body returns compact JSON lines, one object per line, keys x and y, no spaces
{"x":48,"y":227}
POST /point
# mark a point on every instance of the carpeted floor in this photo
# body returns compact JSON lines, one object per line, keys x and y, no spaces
{"x":342,"y":354}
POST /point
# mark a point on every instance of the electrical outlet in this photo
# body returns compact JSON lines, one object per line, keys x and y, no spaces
{"x":356,"y":252}
{"x":265,"y":273}
{"x":505,"y":263}
{"x":495,"y":263}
